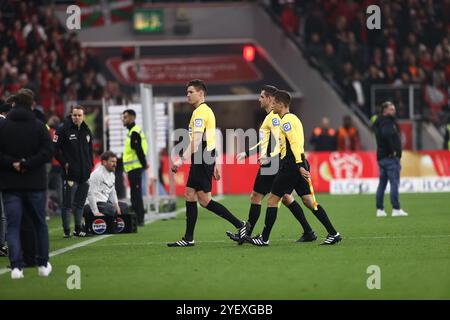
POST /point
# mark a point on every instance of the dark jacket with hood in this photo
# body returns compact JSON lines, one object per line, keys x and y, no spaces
{"x":74,"y":146}
{"x":26,"y":139}
{"x":387,"y":134}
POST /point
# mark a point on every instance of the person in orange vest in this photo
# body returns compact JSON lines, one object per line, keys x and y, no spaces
{"x":348,"y":136}
{"x":324,"y":137}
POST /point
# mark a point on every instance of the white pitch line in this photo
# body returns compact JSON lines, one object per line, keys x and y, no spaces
{"x":66,"y":249}
{"x":98,"y":238}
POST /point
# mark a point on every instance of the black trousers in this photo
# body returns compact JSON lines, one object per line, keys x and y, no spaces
{"x":137,"y":203}
{"x":2,"y":222}
{"x":108,"y":208}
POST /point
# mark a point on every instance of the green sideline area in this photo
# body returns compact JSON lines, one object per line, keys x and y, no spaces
{"x":413,"y":254}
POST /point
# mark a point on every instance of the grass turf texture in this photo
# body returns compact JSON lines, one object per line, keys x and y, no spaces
{"x":412,"y":252}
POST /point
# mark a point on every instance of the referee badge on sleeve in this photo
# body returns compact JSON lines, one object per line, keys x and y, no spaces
{"x":198,"y":123}
{"x":275,"y":122}
{"x":287,"y":127}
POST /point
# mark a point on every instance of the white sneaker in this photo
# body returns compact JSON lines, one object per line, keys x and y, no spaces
{"x":44,"y":271}
{"x":399,"y":213}
{"x":16,"y":273}
{"x":381,"y":213}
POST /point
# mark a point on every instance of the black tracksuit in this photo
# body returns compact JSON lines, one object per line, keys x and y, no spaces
{"x":387,"y":134}
{"x":74,"y":146}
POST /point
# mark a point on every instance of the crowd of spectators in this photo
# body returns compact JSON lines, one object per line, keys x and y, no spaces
{"x":39,"y":53}
{"x":412,"y":47}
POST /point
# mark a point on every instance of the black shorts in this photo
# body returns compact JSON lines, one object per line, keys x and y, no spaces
{"x":200,"y":177}
{"x":289,"y":179}
{"x":263,"y":183}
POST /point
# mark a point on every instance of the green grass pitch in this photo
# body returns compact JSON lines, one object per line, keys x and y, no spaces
{"x":413,"y":254}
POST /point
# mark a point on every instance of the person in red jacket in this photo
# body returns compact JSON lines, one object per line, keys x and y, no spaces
{"x":289,"y":18}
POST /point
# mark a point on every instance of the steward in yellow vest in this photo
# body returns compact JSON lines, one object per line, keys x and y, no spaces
{"x":134,"y":161}
{"x":135,"y":149}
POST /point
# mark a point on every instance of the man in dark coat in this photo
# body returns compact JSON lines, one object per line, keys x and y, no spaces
{"x":25,"y":147}
{"x":4,"y":109}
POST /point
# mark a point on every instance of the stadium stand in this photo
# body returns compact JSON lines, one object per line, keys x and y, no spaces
{"x":411,"y":48}
{"x":37,"y":52}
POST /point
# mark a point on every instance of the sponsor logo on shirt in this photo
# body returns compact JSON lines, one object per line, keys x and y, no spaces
{"x":73,"y":137}
{"x":276,"y":122}
{"x":55,"y":138}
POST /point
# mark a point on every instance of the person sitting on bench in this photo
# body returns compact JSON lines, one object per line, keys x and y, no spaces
{"x":102,"y":196}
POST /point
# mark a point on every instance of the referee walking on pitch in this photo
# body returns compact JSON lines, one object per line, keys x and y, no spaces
{"x":134,"y":161}
{"x":293,"y":174}
{"x":270,"y":154}
{"x":202,"y":153}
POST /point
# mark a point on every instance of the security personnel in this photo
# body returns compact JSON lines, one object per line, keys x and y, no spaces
{"x":324,"y":137}
{"x":134,"y":161}
{"x":74,"y":153}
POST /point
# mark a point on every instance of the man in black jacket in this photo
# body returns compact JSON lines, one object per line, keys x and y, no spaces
{"x":4,"y":109}
{"x":25,"y":147}
{"x":389,"y":152}
{"x":74,"y":152}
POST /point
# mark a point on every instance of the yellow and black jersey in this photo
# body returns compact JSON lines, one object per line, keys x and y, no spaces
{"x":292,"y":140}
{"x":270,"y":127}
{"x":204,"y":121}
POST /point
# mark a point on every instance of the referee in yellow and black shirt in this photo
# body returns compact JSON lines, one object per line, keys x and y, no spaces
{"x":201,"y":151}
{"x":270,"y":155}
{"x":293,"y":174}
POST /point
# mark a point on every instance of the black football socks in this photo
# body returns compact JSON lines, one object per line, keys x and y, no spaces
{"x":323,"y":218}
{"x":253,"y":216}
{"x":191,"y":219}
{"x":271,"y":216}
{"x":223,"y":212}
{"x":297,"y":211}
